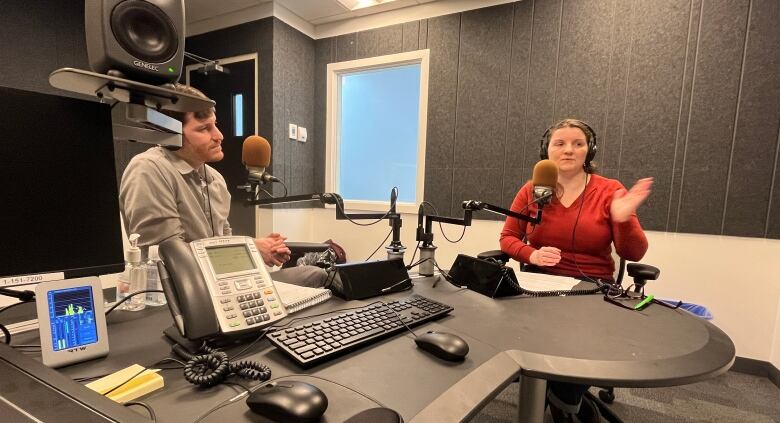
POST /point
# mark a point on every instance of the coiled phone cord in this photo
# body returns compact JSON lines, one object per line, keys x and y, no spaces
{"x":212,"y":367}
{"x":506,"y":276}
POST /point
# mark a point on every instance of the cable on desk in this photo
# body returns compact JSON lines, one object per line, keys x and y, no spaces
{"x":251,"y":344}
{"x":105,"y":394}
{"x":6,"y":334}
{"x":254,"y":388}
{"x":240,"y":385}
{"x":220,"y":405}
{"x":113,"y":307}
{"x":170,"y":359}
{"x":601,"y":287}
{"x":144,"y":405}
{"x":89,"y":378}
{"x":213,"y":367}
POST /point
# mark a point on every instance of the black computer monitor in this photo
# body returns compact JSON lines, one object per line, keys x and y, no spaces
{"x":59,"y":201}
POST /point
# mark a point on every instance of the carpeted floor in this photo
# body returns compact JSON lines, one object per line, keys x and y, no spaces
{"x":731,"y":397}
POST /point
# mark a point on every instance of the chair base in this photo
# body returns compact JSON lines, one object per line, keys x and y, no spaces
{"x":606,"y":412}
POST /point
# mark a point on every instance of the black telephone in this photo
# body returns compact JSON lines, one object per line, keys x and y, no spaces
{"x":218,"y":287}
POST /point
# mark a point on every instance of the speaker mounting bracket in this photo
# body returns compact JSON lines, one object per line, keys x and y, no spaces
{"x":107,"y":87}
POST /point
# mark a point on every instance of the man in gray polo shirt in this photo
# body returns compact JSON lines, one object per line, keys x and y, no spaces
{"x":167,"y":193}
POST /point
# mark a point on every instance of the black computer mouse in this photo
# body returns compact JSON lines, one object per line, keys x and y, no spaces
{"x":288,"y":401}
{"x":443,"y":345}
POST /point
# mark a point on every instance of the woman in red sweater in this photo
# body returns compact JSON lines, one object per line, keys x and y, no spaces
{"x":587,"y":214}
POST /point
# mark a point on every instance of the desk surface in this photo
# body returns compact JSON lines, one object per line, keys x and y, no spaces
{"x":575,"y":339}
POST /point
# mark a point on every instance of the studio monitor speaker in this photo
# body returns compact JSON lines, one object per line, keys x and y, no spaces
{"x":142,"y":40}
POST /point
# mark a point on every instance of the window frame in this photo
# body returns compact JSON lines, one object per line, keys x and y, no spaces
{"x":333,"y":102}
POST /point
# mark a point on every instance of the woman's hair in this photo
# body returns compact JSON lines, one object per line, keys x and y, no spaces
{"x":199,"y":114}
{"x":590,"y":137}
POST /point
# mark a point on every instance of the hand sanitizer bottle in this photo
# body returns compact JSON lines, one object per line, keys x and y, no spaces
{"x":134,"y":277}
{"x":153,"y":279}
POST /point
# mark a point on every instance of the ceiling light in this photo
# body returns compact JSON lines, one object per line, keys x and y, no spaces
{"x":360,"y":4}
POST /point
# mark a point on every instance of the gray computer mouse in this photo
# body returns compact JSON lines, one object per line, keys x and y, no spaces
{"x":443,"y":345}
{"x":288,"y":401}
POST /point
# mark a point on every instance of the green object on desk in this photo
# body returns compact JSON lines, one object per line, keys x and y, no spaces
{"x":644,"y":302}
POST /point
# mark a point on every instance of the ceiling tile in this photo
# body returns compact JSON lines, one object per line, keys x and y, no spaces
{"x":311,"y":10}
{"x":197,"y":10}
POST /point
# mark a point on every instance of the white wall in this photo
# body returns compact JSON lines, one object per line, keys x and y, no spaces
{"x":738,"y":279}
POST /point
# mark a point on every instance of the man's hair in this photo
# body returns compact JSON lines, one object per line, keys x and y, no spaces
{"x":198,"y":114}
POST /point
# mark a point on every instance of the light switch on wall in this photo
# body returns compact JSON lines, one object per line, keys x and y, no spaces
{"x":302,"y":134}
{"x":293,"y":131}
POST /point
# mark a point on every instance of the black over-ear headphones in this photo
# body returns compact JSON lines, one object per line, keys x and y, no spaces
{"x":590,"y":134}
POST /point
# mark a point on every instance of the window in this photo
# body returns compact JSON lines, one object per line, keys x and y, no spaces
{"x":238,"y":115}
{"x":376,"y":130}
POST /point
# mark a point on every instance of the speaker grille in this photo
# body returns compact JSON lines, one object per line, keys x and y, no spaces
{"x":144,"y":31}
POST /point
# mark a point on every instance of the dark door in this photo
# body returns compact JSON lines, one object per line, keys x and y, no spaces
{"x":224,"y":89}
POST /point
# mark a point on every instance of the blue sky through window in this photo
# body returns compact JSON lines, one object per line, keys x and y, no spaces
{"x":379,"y":120}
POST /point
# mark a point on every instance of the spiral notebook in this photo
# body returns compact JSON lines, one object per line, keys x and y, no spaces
{"x":296,"y":298}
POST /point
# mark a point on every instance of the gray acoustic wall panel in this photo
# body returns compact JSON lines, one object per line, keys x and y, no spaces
{"x":411,"y":36}
{"x":546,"y":30}
{"x":715,"y":92}
{"x":380,"y":42}
{"x":610,"y":136}
{"x":583,"y":61}
{"x":683,"y":116}
{"x":324,"y":53}
{"x":443,"y":40}
{"x":654,"y":77}
{"x":483,"y":76}
{"x":752,"y":162}
{"x":682,"y":90}
{"x":346,"y":47}
{"x":293,"y":85}
{"x":515,"y":146}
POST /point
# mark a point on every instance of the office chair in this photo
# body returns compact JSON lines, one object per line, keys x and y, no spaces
{"x":299,"y":249}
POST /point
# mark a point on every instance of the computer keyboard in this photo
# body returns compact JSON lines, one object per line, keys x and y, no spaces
{"x":322,"y":340}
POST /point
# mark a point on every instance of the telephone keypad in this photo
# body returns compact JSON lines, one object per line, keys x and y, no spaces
{"x":253,"y":307}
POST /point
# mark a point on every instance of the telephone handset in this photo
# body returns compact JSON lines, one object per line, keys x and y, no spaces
{"x":218,"y":287}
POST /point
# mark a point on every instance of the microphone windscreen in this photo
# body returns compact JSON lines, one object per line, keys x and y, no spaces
{"x":256,"y":152}
{"x":545,"y":174}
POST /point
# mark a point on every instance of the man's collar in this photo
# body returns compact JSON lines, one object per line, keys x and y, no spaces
{"x":180,"y":164}
{"x":184,"y":168}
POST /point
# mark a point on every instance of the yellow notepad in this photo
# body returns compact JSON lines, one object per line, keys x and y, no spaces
{"x":296,"y":298}
{"x":144,"y":383}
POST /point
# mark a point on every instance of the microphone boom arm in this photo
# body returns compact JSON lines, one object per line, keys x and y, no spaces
{"x":425,"y":228}
{"x":479,"y":205}
{"x":394,"y":250}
